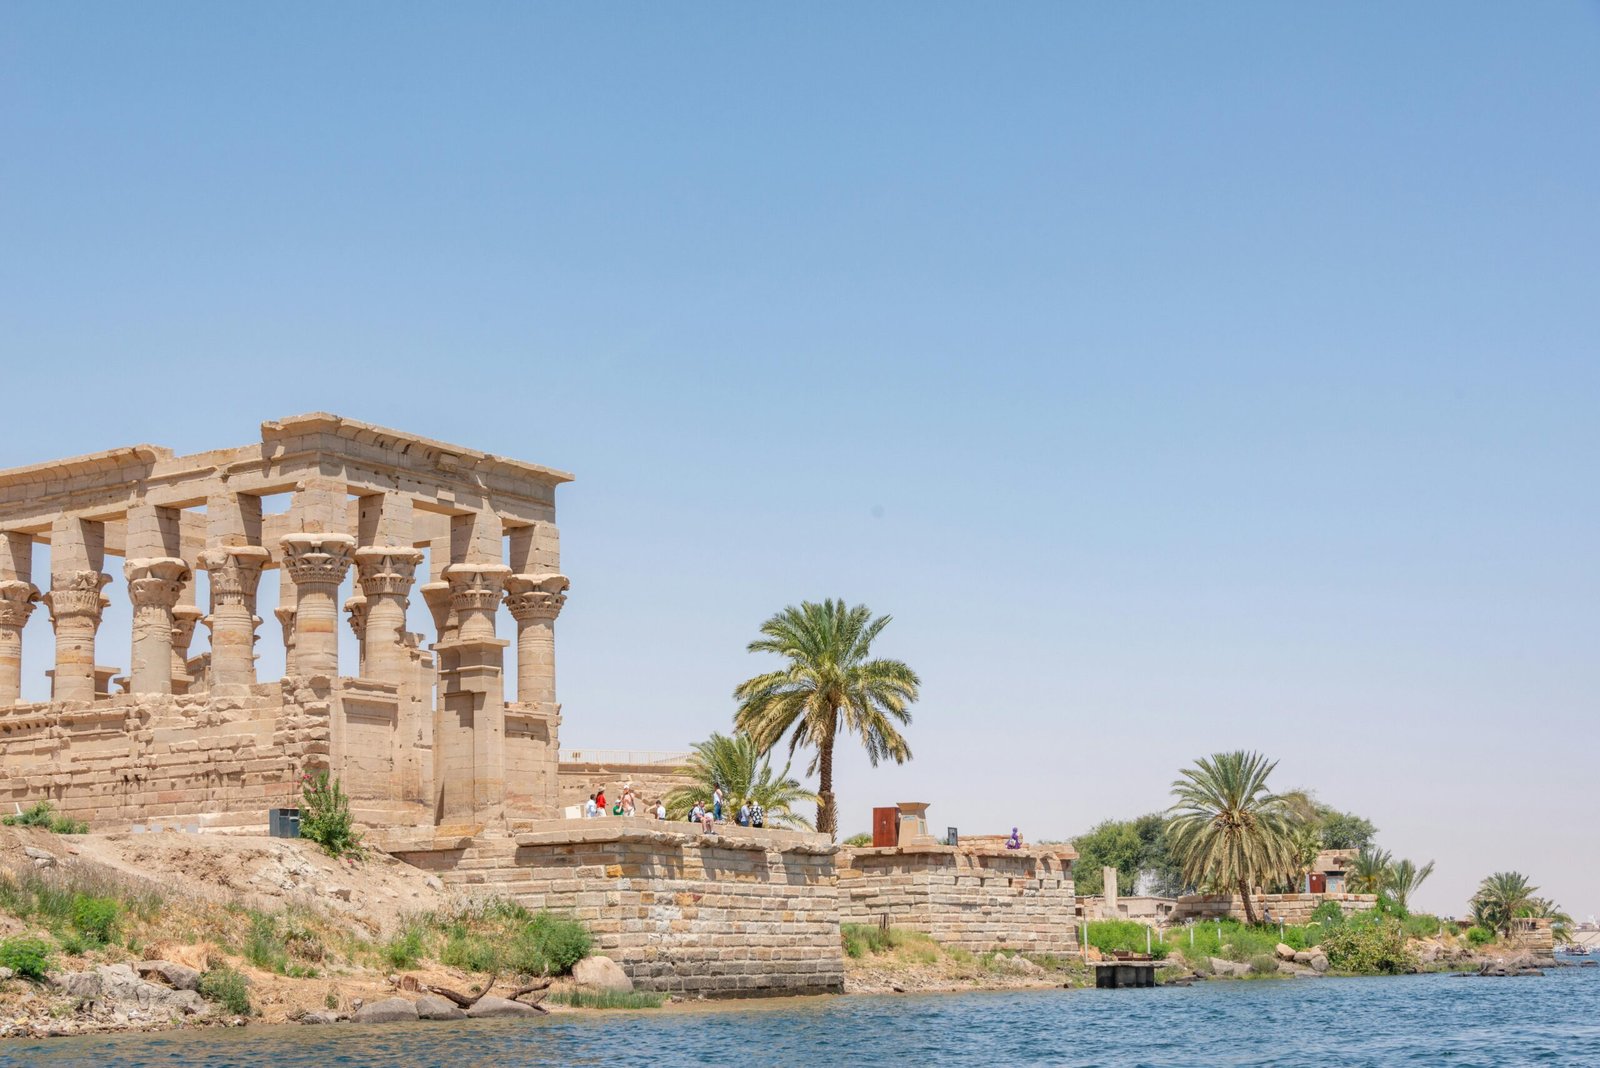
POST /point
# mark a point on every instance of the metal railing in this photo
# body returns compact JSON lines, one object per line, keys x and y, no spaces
{"x":658,"y":757}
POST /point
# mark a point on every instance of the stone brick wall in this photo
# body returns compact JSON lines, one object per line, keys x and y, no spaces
{"x":577,"y":780}
{"x":134,"y":758}
{"x":1294,"y":909}
{"x":742,"y":914}
{"x":972,"y":899}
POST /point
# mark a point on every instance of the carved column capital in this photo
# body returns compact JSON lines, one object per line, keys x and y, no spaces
{"x":76,"y":593}
{"x":17,"y":602}
{"x":317,"y":558}
{"x":531,"y":597}
{"x":156,"y":582}
{"x":356,"y":607}
{"x":385,"y":569}
{"x":476,"y":587}
{"x":235,"y":571}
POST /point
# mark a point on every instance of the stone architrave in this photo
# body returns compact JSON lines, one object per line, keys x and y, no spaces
{"x":235,"y":573}
{"x":75,"y":604}
{"x":317,"y":564}
{"x":17,"y":602}
{"x":534,"y":602}
{"x":385,"y":574}
{"x":154,"y":586}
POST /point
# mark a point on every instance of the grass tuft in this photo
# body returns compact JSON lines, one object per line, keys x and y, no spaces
{"x":608,"y":999}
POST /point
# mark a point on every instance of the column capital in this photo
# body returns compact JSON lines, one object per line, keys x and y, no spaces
{"x":76,"y":593}
{"x":356,"y":607}
{"x":476,"y":587}
{"x":317,"y":558}
{"x":235,"y":570}
{"x":17,"y":602}
{"x":155,"y":582}
{"x":531,"y":597}
{"x":387,"y":569}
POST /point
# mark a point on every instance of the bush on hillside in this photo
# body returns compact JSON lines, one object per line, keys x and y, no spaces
{"x":1375,"y":946}
{"x":325,"y":816}
{"x":29,"y":958}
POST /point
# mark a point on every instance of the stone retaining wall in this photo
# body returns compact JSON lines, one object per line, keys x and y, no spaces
{"x":1294,"y":909}
{"x":576,"y":780}
{"x":972,"y":899}
{"x":741,"y":914}
{"x":134,"y":758}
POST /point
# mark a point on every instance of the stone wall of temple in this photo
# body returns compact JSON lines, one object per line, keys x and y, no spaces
{"x":136,"y":758}
{"x":1290,"y":908}
{"x":973,"y":899}
{"x":579,"y":779}
{"x":741,"y":914}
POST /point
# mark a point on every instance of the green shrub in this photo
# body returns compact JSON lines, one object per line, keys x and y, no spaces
{"x":469,"y":951}
{"x":227,"y":988}
{"x":264,"y":946}
{"x":1263,"y":964}
{"x":548,"y":944}
{"x":35,"y":815}
{"x":1128,"y":936}
{"x":1479,"y":936}
{"x":405,"y":948}
{"x":859,"y":840}
{"x":1369,"y":946}
{"x":95,"y":918}
{"x":325,"y":816}
{"x":1421,"y":925}
{"x":29,"y":958}
{"x":1328,"y":914}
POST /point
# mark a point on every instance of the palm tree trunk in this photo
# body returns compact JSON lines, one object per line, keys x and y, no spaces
{"x":1249,"y":908}
{"x":827,"y":819}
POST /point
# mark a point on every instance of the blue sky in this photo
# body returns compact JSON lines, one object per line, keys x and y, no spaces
{"x":1180,"y":379}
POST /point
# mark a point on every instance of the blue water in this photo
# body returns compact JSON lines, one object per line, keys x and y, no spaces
{"x":1411,"y":1020}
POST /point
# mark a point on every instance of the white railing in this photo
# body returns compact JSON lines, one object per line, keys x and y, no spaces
{"x":665,"y":758}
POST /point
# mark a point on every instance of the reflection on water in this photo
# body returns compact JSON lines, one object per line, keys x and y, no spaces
{"x":1421,"y":1020}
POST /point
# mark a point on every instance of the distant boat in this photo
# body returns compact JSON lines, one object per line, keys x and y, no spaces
{"x":1575,"y":949}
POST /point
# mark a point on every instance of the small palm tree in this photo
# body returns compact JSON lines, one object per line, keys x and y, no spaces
{"x":743,"y":771}
{"x":1404,"y":878}
{"x":1372,"y":872}
{"x":1502,"y":897}
{"x":831,"y":685}
{"x":1227,"y":828}
{"x":1545,"y":909}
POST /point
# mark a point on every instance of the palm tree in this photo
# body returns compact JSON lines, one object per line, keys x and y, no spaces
{"x":743,"y":771}
{"x":829,"y":686}
{"x":1227,"y":828}
{"x":1372,"y":872}
{"x":1404,"y":878}
{"x":1502,"y":897}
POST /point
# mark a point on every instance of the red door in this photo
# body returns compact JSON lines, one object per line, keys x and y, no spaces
{"x":1319,"y":883}
{"x":885,"y":828}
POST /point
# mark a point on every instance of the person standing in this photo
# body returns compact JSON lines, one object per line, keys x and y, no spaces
{"x":716,"y":803}
{"x":743,"y":818}
{"x":758,"y":818}
{"x":591,"y":810}
{"x":600,"y":800}
{"x":627,"y":800}
{"x":661,"y":811}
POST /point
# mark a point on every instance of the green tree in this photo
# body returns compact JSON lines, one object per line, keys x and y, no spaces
{"x":1344,"y":830}
{"x":1404,"y":878}
{"x":743,"y":771}
{"x":831,"y":685}
{"x":1502,"y":897}
{"x":1227,"y":828}
{"x":1370,"y":874}
{"x":1137,"y":848}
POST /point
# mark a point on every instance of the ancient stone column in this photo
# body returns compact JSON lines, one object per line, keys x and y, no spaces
{"x":154,"y":586}
{"x":355,"y":610}
{"x":235,"y":572}
{"x":17,"y":601}
{"x":317,"y":564}
{"x":75,"y":604}
{"x":469,"y":731}
{"x":184,"y":618}
{"x":385,"y":574}
{"x":534,"y":602}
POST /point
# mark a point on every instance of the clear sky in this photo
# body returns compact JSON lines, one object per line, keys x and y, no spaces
{"x":1179,"y":377}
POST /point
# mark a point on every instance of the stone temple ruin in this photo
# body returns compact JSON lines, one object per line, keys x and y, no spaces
{"x":420,"y":730}
{"x":443,"y":770}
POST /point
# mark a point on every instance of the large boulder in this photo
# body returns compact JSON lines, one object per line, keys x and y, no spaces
{"x":118,"y":988}
{"x":602,"y":973}
{"x":1228,"y":967}
{"x":177,"y":976}
{"x":433,"y":1007}
{"x":490,"y":1007}
{"x":1284,"y":952}
{"x":389,"y":1010}
{"x":1319,"y":962}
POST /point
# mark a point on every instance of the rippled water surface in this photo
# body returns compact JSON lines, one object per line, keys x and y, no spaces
{"x":1419,"y":1020}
